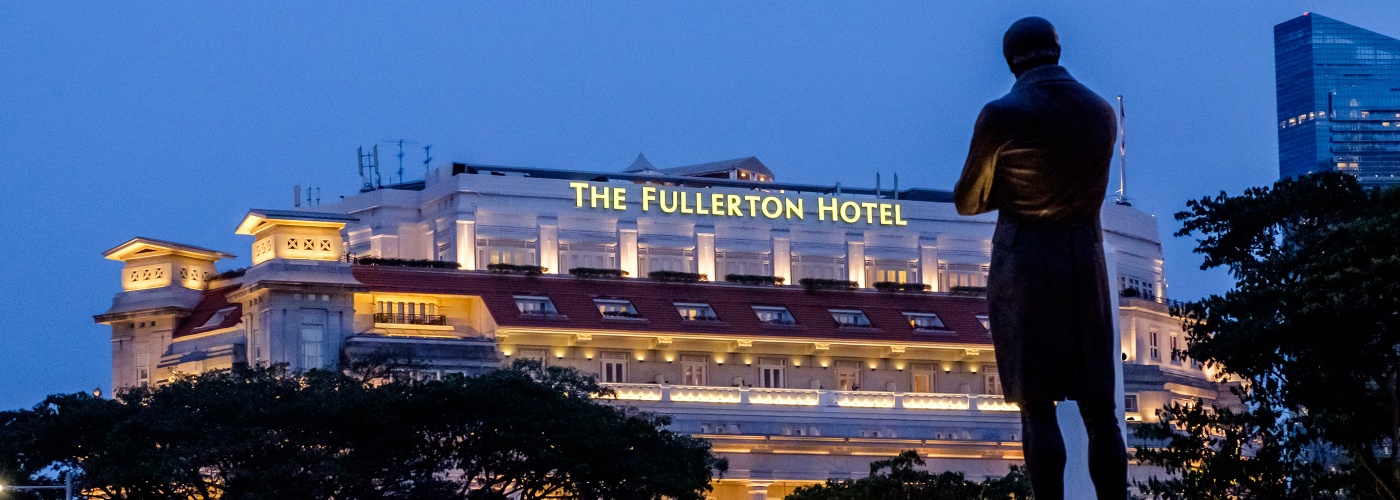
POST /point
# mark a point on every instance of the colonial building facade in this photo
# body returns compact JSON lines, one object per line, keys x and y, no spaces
{"x":793,"y":384}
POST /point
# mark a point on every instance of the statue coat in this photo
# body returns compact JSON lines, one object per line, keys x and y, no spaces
{"x":1040,"y":156}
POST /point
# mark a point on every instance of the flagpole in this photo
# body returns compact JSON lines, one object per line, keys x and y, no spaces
{"x":1122,"y":155}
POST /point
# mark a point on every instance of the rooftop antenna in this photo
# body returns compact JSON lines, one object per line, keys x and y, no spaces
{"x":401,"y":143}
{"x":296,"y":195}
{"x":427,"y":159}
{"x":877,"y":184}
{"x":369,"y":169}
{"x":1122,"y":157}
{"x":896,"y":185}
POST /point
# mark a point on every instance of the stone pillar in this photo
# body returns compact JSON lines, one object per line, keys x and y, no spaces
{"x":758,"y":491}
{"x":466,"y":244}
{"x":855,"y":261}
{"x":928,"y":264}
{"x":549,"y":248}
{"x":705,"y":252}
{"x":627,"y":250}
{"x":782,"y":259}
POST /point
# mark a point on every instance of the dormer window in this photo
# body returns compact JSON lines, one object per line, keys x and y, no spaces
{"x":696,"y":311}
{"x":773,"y":315}
{"x":535,"y":305}
{"x":616,"y":308}
{"x":218,"y":317}
{"x":986,"y":322}
{"x":925,"y":322}
{"x":850,"y":318}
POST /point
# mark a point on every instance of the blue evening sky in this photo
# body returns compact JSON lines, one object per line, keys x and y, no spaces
{"x":171,"y":119}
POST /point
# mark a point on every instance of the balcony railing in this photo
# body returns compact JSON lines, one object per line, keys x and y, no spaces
{"x":809,"y":397}
{"x":410,"y":319}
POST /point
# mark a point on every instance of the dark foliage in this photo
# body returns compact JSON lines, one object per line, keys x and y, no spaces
{"x":523,"y":432}
{"x":677,"y":276}
{"x":814,"y":284}
{"x":753,"y":279}
{"x":382,"y":261}
{"x":898,"y":479}
{"x":516,"y":269}
{"x":595,"y":272}
{"x":893,"y":286}
{"x":1311,"y":328}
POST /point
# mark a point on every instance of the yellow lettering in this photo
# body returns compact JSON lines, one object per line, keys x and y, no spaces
{"x":793,"y":208}
{"x":648,"y":196}
{"x":854,"y":212}
{"x":823,"y":208}
{"x":885,"y":214}
{"x":685,"y":205}
{"x":700,"y":204}
{"x":594,"y":196}
{"x":733,"y":204}
{"x":869,"y":211}
{"x":619,"y":198}
{"x":675,"y":200}
{"x":777,"y":207}
{"x":753,"y":204}
{"x":717,"y":204}
{"x":578,"y":192}
{"x":899,"y":221}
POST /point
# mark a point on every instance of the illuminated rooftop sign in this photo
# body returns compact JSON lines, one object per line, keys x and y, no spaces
{"x":675,"y":201}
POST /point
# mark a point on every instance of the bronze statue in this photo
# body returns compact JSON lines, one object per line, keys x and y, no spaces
{"x":1040,"y":156}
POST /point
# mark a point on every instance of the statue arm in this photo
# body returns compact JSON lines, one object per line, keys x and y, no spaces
{"x":973,"y":191}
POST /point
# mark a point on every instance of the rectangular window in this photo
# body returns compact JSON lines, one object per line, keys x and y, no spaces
{"x":992,"y":380}
{"x":665,"y":259}
{"x":695,"y":311}
{"x":534,"y":354}
{"x":313,"y":347}
{"x":616,"y":308}
{"x":535,"y":305}
{"x":501,"y":251}
{"x":951,"y":275}
{"x":849,"y":317}
{"x":774,"y":315}
{"x":818,"y":266}
{"x":572,"y":255}
{"x":1130,"y":403}
{"x":895,"y":271}
{"x":693,"y":370}
{"x":615,"y":370}
{"x":925,"y":322}
{"x":848,"y":376}
{"x":922,"y":381}
{"x":143,"y":366}
{"x":1153,"y":352}
{"x":1177,"y":356}
{"x":771,"y":372}
{"x":750,"y":263}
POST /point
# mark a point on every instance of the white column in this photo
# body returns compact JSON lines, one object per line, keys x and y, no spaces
{"x":549,"y":249}
{"x":928,"y":266}
{"x":466,"y":244}
{"x":782,"y":259}
{"x":705,"y":255}
{"x":758,"y":491}
{"x":855,"y":262}
{"x":627,"y":251}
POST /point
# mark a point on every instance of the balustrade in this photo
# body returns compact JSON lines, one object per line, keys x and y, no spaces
{"x":916,"y":401}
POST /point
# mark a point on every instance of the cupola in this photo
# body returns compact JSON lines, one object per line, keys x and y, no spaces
{"x":286,"y":234}
{"x":152,"y":263}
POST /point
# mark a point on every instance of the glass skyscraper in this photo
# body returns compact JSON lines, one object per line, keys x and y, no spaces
{"x":1338,"y":99}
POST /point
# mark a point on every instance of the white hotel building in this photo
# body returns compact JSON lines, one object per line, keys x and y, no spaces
{"x":793,"y":386}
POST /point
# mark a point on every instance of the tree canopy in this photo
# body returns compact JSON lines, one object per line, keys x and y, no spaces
{"x":1311,"y":329}
{"x":898,"y":478}
{"x":523,"y":432}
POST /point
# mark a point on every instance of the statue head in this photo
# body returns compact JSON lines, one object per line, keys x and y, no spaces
{"x":1029,"y":43}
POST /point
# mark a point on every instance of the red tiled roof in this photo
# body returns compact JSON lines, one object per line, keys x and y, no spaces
{"x":654,"y":301}
{"x":214,"y":300}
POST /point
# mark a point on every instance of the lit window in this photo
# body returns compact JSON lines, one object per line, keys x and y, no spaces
{"x":693,"y":369}
{"x":986,"y":321}
{"x":534,"y":305}
{"x":850,"y":317}
{"x":774,"y":315}
{"x":614,"y":367}
{"x":692,"y":311}
{"x":313,"y":346}
{"x":616,"y":308}
{"x":771,"y":372}
{"x":925,"y":321}
{"x":848,"y":375}
{"x":922,"y":381}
